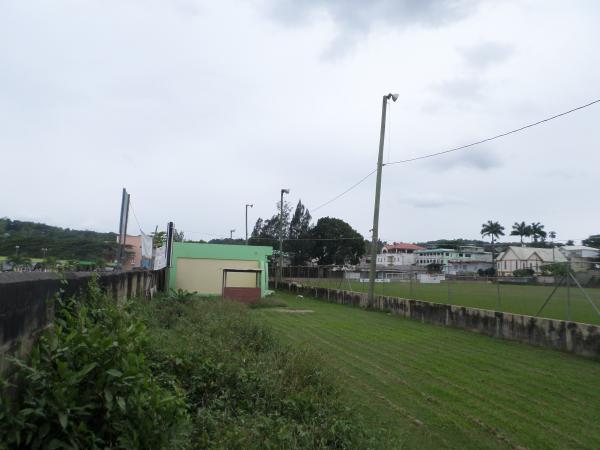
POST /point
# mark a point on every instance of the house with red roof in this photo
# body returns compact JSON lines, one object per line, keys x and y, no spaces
{"x":398,"y":254}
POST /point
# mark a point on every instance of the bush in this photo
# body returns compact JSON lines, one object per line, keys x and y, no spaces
{"x":243,"y":388}
{"x":87,"y":384}
{"x":523,"y":272}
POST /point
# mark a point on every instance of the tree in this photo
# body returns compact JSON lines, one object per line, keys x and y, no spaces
{"x":537,"y":232}
{"x":266,"y":232}
{"x":298,"y":244}
{"x":494,"y":230}
{"x":521,"y":229}
{"x":158,"y":239}
{"x":178,"y":236}
{"x":592,"y":241}
{"x":336,"y":242}
{"x":19,"y":262}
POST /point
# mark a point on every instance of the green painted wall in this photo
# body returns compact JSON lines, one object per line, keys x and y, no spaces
{"x":221,"y":251}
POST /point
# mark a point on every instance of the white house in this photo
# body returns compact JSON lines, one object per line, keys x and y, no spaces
{"x":581,"y":258}
{"x":514,"y":258}
{"x":398,"y":254}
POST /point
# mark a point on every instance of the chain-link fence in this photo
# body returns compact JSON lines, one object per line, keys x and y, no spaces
{"x":574,"y":297}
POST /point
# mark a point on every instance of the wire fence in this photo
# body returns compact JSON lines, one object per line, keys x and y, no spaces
{"x":573,"y":298}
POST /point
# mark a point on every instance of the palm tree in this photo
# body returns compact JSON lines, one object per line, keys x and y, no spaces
{"x":19,"y":262}
{"x":521,"y":229}
{"x":494,"y":230}
{"x":537,"y":231}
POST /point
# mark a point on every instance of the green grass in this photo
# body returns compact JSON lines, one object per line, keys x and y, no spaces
{"x":519,"y":299}
{"x":425,"y":386}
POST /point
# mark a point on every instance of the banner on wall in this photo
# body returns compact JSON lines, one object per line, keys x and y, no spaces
{"x":160,"y":258}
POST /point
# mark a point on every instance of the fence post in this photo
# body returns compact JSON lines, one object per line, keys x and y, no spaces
{"x":497,"y":293}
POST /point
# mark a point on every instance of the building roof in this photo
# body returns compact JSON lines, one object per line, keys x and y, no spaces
{"x":402,"y":246}
{"x":438,"y":250}
{"x":525,"y":253}
{"x":577,"y":248}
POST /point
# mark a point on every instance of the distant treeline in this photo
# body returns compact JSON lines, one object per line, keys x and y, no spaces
{"x":61,"y":243}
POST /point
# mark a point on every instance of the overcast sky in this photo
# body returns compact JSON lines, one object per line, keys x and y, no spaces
{"x":198,"y":108}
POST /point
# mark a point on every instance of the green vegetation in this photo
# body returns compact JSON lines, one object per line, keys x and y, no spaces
{"x":87,"y":384}
{"x":330,"y":240}
{"x":514,"y":298}
{"x":61,"y":243}
{"x":243,"y":389}
{"x":178,"y":372}
{"x":424,"y":386}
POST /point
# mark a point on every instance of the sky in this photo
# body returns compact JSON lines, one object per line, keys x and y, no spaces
{"x":199,"y":108}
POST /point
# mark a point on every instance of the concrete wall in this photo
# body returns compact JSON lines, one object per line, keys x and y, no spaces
{"x":25,"y":309}
{"x":579,"y":338}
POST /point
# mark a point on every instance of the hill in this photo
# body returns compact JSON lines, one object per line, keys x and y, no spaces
{"x":62,"y":243}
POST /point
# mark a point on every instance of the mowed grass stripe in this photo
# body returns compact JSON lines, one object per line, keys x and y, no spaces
{"x":500,"y":392}
{"x":490,"y":407}
{"x":487,"y":410}
{"x":367,"y":384}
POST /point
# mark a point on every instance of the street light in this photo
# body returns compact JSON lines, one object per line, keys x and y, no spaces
{"x":231,"y":233}
{"x":44,"y":250}
{"x":283,"y":191}
{"x":251,"y":206}
{"x":17,"y":247}
{"x":375,"y":238}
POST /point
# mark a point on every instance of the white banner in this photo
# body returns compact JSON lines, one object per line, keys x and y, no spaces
{"x":160,"y":258}
{"x":146,"y":246}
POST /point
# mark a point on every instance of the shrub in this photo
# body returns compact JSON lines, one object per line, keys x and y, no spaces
{"x":523,"y":272}
{"x":242,"y":387}
{"x":87,"y":384}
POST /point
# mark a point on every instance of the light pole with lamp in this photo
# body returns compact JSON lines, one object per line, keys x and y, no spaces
{"x":283,"y":191}
{"x":17,"y":247}
{"x":251,"y":206}
{"x":375,"y":238}
{"x":231,"y":233}
{"x":44,"y":251}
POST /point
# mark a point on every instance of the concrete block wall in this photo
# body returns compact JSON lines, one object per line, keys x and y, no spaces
{"x":26,"y":309}
{"x":573,"y":337}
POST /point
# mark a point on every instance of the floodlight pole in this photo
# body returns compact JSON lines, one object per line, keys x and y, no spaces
{"x":251,"y":206}
{"x":375,"y":236}
{"x":280,"y":271}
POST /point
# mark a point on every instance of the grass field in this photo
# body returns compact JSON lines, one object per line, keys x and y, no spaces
{"x":424,"y":386}
{"x":519,"y":299}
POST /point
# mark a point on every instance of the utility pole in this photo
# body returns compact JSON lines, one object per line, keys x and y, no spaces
{"x":280,"y":271}
{"x":375,"y":238}
{"x":123,"y":227}
{"x":251,"y":206}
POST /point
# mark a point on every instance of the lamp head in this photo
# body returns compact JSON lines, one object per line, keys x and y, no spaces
{"x":394,"y":97}
{"x":285,"y":191}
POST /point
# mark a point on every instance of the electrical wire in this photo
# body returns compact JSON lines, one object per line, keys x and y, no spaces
{"x":498,"y":136}
{"x":346,"y":191}
{"x":455,"y":149}
{"x":135,"y":217}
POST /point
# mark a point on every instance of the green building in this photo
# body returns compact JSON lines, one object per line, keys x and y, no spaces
{"x":199,"y":267}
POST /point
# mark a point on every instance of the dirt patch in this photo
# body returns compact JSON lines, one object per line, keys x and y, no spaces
{"x":296,"y":311}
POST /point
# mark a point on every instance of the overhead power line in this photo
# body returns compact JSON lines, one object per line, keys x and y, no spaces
{"x":455,"y":149}
{"x":498,"y":136}
{"x":346,"y":191}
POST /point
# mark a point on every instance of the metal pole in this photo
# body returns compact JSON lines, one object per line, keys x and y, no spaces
{"x":251,"y":206}
{"x":125,"y":220}
{"x":283,"y":191}
{"x":120,"y":240}
{"x":375,"y":236}
{"x":568,"y":292}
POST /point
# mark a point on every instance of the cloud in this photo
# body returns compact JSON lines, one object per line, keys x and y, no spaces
{"x":478,"y":158}
{"x":432,"y":200}
{"x":486,"y":54}
{"x":464,"y":89}
{"x":353,"y":17}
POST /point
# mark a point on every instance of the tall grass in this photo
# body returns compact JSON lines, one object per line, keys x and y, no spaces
{"x":244,"y":389}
